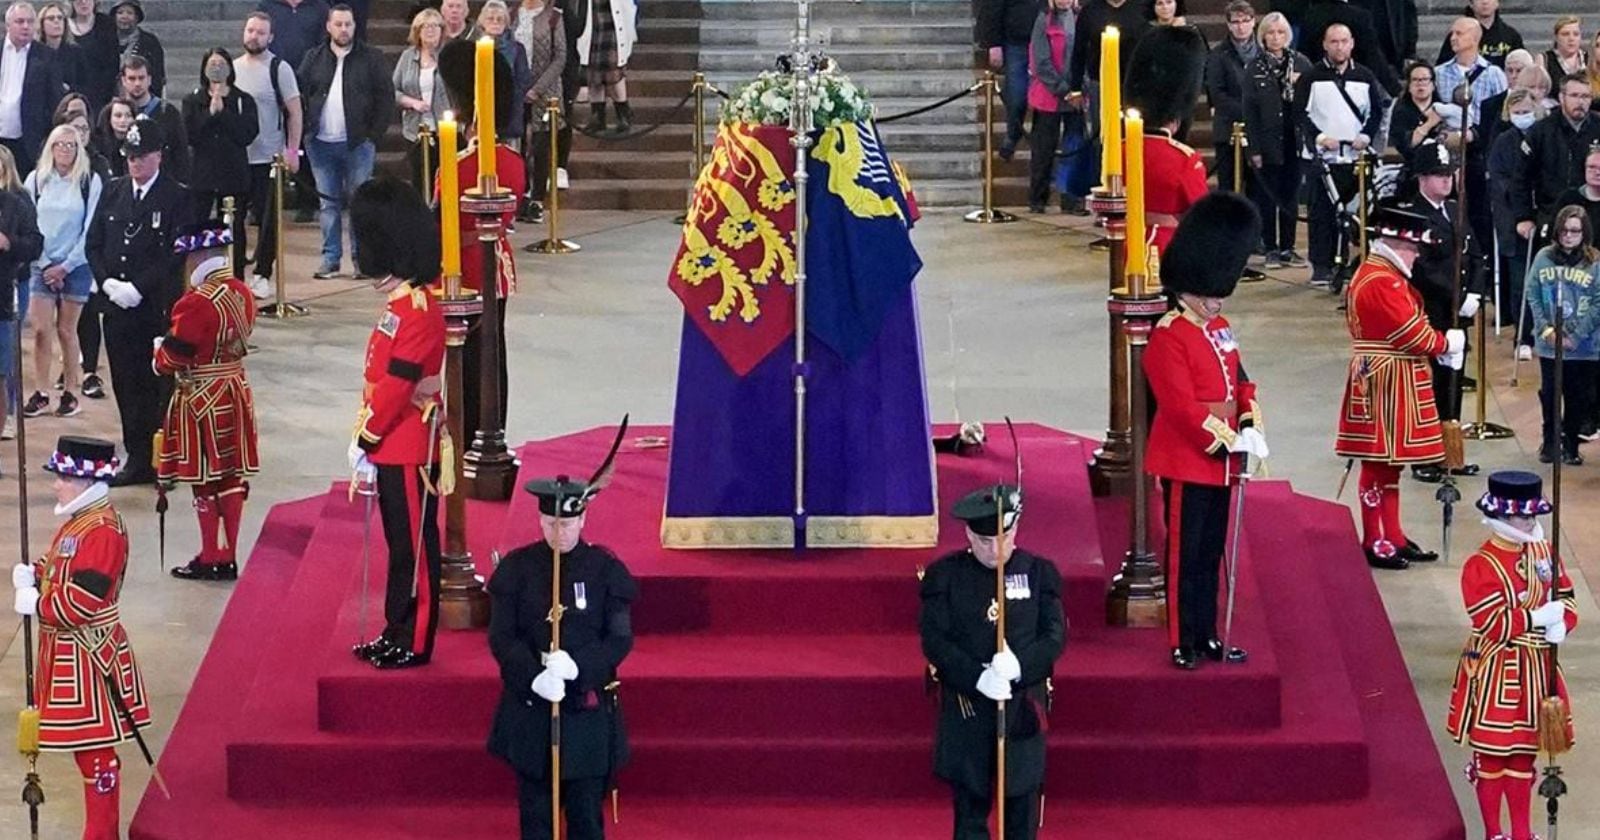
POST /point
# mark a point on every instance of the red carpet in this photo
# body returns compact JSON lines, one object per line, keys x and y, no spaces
{"x":780,"y":696}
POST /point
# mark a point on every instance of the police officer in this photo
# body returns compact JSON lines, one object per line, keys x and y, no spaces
{"x":959,"y":612}
{"x":130,"y":249}
{"x":596,"y":634}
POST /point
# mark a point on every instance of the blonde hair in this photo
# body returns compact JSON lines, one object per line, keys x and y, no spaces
{"x":1517,"y":96}
{"x":1270,"y":19}
{"x":1563,"y":22}
{"x":423,"y":18}
{"x":47,"y":165}
{"x":8,"y":171}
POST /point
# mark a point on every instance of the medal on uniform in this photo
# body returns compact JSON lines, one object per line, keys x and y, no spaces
{"x":1017,"y":588}
{"x":580,"y":595}
{"x":67,"y":547}
{"x":993,"y":613}
{"x":389,"y":324}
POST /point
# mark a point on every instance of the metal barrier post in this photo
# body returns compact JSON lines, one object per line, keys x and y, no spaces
{"x":553,"y":243}
{"x":989,"y":215}
{"x":280,"y":308}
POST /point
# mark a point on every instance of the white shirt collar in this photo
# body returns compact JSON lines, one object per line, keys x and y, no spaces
{"x":142,"y":190}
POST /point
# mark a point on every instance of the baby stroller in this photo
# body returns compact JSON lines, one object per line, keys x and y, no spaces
{"x":1337,"y":175}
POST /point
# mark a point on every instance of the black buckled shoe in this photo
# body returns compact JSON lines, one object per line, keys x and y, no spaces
{"x":396,"y":658}
{"x":196,"y":570}
{"x":1465,"y":470}
{"x":1394,"y":562}
{"x":1214,"y":650}
{"x":1413,"y":553}
{"x":1184,"y":659}
{"x":1428,"y":473}
{"x":367,"y":651}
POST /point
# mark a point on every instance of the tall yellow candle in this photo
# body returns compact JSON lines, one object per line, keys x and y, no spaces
{"x":485,"y":102}
{"x":449,"y":195}
{"x":1138,"y":263}
{"x":1110,"y":104}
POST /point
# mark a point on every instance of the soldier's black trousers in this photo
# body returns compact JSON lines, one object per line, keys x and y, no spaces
{"x":142,"y":396}
{"x":972,"y":816}
{"x":410,"y":520}
{"x":1197,"y":532}
{"x":581,"y":802}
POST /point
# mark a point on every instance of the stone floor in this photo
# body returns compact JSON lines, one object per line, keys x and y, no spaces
{"x":1013,"y":322}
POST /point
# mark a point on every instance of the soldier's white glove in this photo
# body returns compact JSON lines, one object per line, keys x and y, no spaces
{"x":560,"y":662}
{"x":1556,"y":633}
{"x":1006,"y":665}
{"x":994,"y":686}
{"x":22,"y":576}
{"x":355,"y":454}
{"x":365,"y":474}
{"x":1250,"y":441}
{"x":155,"y":344}
{"x":1554,"y":612}
{"x":26,"y":601}
{"x":1470,"y":304}
{"x":122,"y":293}
{"x":550,"y":686}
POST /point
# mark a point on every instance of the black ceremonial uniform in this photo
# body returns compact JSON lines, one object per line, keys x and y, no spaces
{"x":131,"y":240}
{"x":596,"y":629}
{"x":958,"y":640}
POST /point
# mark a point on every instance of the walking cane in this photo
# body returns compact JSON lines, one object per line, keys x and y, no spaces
{"x":28,"y":718}
{"x":1522,"y":316}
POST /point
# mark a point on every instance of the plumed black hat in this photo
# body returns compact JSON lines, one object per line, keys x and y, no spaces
{"x":1163,"y":77}
{"x":394,"y":232}
{"x":982,"y":509}
{"x":458,"y":67}
{"x":1209,"y":249}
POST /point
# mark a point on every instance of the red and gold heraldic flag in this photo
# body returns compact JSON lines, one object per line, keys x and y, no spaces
{"x":735,"y":268}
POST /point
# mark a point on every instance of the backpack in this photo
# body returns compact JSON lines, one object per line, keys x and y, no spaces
{"x":277,"y":92}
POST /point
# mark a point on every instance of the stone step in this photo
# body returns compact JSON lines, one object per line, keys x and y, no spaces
{"x":167,"y":11}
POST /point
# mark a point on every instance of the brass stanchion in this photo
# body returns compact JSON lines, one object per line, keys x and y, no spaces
{"x":988,"y":215}
{"x":489,"y":470}
{"x":1250,"y":275}
{"x":425,"y":139}
{"x":553,"y":243}
{"x":280,"y":307}
{"x":228,"y":214}
{"x":1482,"y":429}
{"x":1138,"y":596}
{"x":699,"y":90}
{"x":463,"y":604}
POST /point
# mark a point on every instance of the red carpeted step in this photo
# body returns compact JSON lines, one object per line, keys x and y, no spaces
{"x":844,"y":685}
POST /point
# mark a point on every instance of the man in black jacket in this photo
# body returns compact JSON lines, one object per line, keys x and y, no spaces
{"x":130,"y":249}
{"x":1321,"y":14}
{"x":1083,"y":64}
{"x":1552,"y":159}
{"x":136,"y":86}
{"x":26,"y":107}
{"x":134,"y":40}
{"x":1004,"y":28}
{"x":20,"y":244}
{"x":1499,"y":38}
{"x":349,"y":102}
{"x":1225,"y":81}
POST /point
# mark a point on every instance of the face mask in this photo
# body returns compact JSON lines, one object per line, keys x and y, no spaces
{"x":1522,"y":121}
{"x":216,"y":73}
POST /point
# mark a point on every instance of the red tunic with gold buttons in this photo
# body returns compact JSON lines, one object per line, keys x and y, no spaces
{"x":1175,"y":178}
{"x":1202,"y":398}
{"x":1388,"y":413}
{"x":1506,"y":668}
{"x":401,"y":398}
{"x":81,"y":639}
{"x":511,"y":175}
{"x":210,"y":428}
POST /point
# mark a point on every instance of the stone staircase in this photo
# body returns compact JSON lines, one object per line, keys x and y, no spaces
{"x":187,"y":28}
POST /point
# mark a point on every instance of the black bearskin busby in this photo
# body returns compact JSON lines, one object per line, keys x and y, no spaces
{"x":1209,"y":250}
{"x":458,"y":68}
{"x":394,"y":232}
{"x":1162,"y":79}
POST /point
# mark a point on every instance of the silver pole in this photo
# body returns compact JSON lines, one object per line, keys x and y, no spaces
{"x":800,"y":123}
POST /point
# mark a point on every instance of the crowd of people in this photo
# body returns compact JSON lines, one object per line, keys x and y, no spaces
{"x":303,"y":86}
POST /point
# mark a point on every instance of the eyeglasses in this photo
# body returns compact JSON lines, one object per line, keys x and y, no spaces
{"x":1577,"y":231}
{"x":65,"y":144}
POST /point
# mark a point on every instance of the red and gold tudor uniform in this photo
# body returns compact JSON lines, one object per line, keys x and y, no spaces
{"x":1388,"y":417}
{"x":1204,"y":405}
{"x":84,"y":651}
{"x":1521,"y":605}
{"x":400,"y":430}
{"x":209,"y":436}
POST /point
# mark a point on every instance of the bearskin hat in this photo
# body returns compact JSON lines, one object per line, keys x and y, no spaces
{"x":458,"y":69}
{"x":1211,"y":245}
{"x":394,"y":232}
{"x":1163,"y":77}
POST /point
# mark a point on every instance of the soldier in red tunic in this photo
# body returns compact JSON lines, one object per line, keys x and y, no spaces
{"x":1207,"y":422}
{"x":1163,"y":84}
{"x":400,"y":444}
{"x":1388,"y":417}
{"x":84,"y":653}
{"x":1521,"y":605}
{"x":209,"y":438}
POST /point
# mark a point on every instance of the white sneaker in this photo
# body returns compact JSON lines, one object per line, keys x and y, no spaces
{"x":561,"y":178}
{"x":1524,"y":353}
{"x":260,"y":286}
{"x":10,"y":430}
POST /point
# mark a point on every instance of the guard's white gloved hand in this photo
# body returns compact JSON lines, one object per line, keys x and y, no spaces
{"x":1006,"y":665}
{"x":1554,"y":612}
{"x":994,"y":686}
{"x":365,"y":474}
{"x":561,"y":663}
{"x":1455,"y":341}
{"x":122,"y":293}
{"x":22,"y":576}
{"x":355,"y":455}
{"x":550,"y":686}
{"x":1470,"y":304}
{"x":26,"y":601}
{"x":1556,"y":633}
{"x":1256,"y":441}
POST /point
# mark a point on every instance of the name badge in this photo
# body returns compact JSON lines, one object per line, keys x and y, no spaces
{"x":580,"y":595}
{"x":68,"y":547}
{"x":1017,"y":587}
{"x":389,"y":324}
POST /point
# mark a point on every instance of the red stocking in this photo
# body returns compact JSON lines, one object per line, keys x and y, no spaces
{"x":1391,"y":507}
{"x":1518,"y":786}
{"x":205,"y":509}
{"x":1490,"y":772}
{"x":231,"y":501}
{"x":1375,"y":478}
{"x":101,"y":783}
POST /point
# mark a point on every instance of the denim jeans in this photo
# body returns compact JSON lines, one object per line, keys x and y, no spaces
{"x":1014,"y":88}
{"x":339,"y":170}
